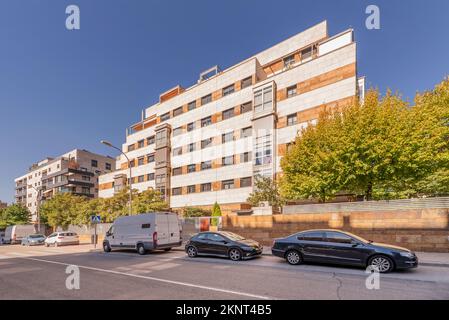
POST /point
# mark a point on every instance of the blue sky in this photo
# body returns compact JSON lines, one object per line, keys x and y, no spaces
{"x":61,"y":89}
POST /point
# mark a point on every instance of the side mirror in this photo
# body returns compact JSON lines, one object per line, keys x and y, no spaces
{"x":108,"y":234}
{"x":355,"y":244}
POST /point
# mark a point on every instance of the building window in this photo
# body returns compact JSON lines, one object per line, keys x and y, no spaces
{"x":165,"y":116}
{"x":205,"y":187}
{"x":85,"y":178}
{"x":190,"y":126}
{"x":161,"y":138}
{"x":160,"y":178}
{"x":191,"y":105}
{"x":177,"y":131}
{"x":191,"y":189}
{"x":161,"y":190}
{"x":206,"y":99}
{"x":150,"y":140}
{"x":291,"y":91}
{"x":227,"y":161}
{"x":227,"y":114}
{"x":191,"y":147}
{"x":141,"y":179}
{"x":246,"y":132}
{"x":263,"y":99}
{"x":246,"y":82}
{"x":176,"y":191}
{"x":191,"y":168}
{"x":205,"y":165}
{"x":131,"y":147}
{"x":227,"y":137}
{"x":140,"y":144}
{"x":140,"y":161}
{"x":177,"y":151}
{"x":292,"y":119}
{"x":150,"y":176}
{"x":206,"y":121}
{"x":132,"y":163}
{"x":228,"y":90}
{"x":177,"y":111}
{"x":245,"y":157}
{"x":94,"y":163}
{"x":227,"y":184}
{"x":206,"y":143}
{"x":246,"y":107}
{"x":150,"y":158}
{"x":85,"y":190}
{"x":108,"y":166}
{"x":289,"y":61}
{"x":263,"y":150}
{"x":177,"y":171}
{"x":306,"y":53}
{"x":245,"y":182}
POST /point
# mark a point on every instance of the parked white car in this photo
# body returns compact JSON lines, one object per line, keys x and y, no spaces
{"x":143,"y":232}
{"x":14,"y":234}
{"x":61,"y":239}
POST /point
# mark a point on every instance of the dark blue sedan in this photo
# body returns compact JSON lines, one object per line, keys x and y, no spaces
{"x":338,"y":247}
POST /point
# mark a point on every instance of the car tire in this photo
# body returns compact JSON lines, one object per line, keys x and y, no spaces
{"x":167,"y":249}
{"x":192,"y":252}
{"x":141,"y":249}
{"x":235,"y":254}
{"x":383,"y":263}
{"x":106,"y":247}
{"x":46,"y":245}
{"x":293,"y":257}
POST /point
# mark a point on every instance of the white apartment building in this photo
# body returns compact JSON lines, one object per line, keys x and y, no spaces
{"x":76,"y":172}
{"x":205,"y":144}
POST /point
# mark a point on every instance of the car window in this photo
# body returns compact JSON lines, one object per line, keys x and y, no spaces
{"x":202,"y":236}
{"x":215,"y":237}
{"x":233,"y":236}
{"x":337,"y":237}
{"x":53,"y":235}
{"x":311,"y":236}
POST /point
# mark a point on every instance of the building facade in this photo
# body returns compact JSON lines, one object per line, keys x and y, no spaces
{"x":3,"y":205}
{"x":206,"y":143}
{"x":76,"y":172}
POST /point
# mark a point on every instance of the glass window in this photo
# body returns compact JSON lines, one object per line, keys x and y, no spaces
{"x":146,"y":226}
{"x":246,"y":107}
{"x":177,"y":131}
{"x":246,"y":132}
{"x":177,"y":151}
{"x":245,"y":182}
{"x":227,"y":114}
{"x":263,"y":149}
{"x":289,"y":61}
{"x":291,"y":91}
{"x":190,"y":126}
{"x":191,"y":189}
{"x":177,"y":111}
{"x":176,"y":191}
{"x":227,"y":137}
{"x":205,"y":187}
{"x":141,"y":179}
{"x":160,"y":178}
{"x":245,"y":157}
{"x":246,"y":82}
{"x":337,"y":237}
{"x":206,"y":143}
{"x":292,"y":119}
{"x":228,"y":90}
{"x":306,"y":53}
{"x":94,"y":163}
{"x":161,"y":137}
{"x":108,"y":166}
{"x":191,"y":105}
{"x":227,"y":161}
{"x":140,"y":161}
{"x":206,"y":99}
{"x":131,"y":147}
{"x":150,"y":140}
{"x":311,"y":236}
{"x":150,"y":158}
{"x":150,"y":176}
{"x":227,"y":184}
{"x":140,"y":144}
{"x":206,"y":165}
{"x":215,"y":237}
{"x":206,"y":121}
{"x":191,"y":168}
{"x":165,"y":116}
{"x":263,"y":99}
{"x":177,"y":171}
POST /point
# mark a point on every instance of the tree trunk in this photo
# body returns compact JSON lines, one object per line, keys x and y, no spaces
{"x":369,"y":191}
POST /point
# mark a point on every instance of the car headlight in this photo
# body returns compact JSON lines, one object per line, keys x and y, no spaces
{"x":407,"y":254}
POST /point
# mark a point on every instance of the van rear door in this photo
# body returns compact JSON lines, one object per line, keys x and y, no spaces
{"x":162,"y":229}
{"x":174,"y":228}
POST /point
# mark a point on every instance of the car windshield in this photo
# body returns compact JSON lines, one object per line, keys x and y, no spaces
{"x":232,"y":236}
{"x":357,"y":237}
{"x":34,"y":236}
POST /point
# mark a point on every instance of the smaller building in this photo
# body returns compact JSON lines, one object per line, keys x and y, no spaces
{"x":3,"y":205}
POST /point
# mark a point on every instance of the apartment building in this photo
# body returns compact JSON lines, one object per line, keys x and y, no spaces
{"x":76,"y":172}
{"x":206,"y":143}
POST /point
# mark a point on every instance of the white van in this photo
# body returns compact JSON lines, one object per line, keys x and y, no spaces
{"x":14,"y":234}
{"x":148,"y":231}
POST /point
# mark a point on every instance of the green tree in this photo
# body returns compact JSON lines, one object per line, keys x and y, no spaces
{"x":216,"y":212}
{"x":193,"y":212}
{"x":148,"y":201}
{"x":14,"y":214}
{"x":63,"y":210}
{"x":265,"y":189}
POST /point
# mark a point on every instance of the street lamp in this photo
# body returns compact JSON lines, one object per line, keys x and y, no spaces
{"x":39,"y":199}
{"x":107,"y":143}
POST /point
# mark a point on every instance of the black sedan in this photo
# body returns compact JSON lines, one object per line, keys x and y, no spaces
{"x":338,"y":247}
{"x":222,"y":244}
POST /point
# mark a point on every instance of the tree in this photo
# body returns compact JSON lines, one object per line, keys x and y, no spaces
{"x":14,"y":214}
{"x":216,"y":212}
{"x":148,"y":201}
{"x":193,"y":212}
{"x":265,"y":189}
{"x":64,"y":209}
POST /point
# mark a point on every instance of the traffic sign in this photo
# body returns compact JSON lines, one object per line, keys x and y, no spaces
{"x":95,"y":219}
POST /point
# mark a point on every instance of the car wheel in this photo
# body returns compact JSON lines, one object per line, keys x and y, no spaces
{"x":46,"y":244}
{"x":106,"y":247}
{"x":293,"y":257}
{"x":167,"y":249}
{"x":141,"y":249}
{"x":235,"y":254}
{"x":192,"y":252}
{"x":381,"y":263}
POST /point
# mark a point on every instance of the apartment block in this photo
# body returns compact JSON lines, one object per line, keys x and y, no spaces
{"x":76,"y":172}
{"x":206,"y":143}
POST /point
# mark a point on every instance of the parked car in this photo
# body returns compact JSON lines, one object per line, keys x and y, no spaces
{"x":14,"y":234}
{"x":62,"y":239}
{"x":33,"y":240}
{"x":223,"y":244}
{"x":143,"y":232}
{"x":338,"y":247}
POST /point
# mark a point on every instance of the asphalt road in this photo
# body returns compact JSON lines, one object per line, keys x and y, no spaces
{"x":40,"y":273}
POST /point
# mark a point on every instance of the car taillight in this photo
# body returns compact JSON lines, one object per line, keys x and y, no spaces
{"x":155,"y":238}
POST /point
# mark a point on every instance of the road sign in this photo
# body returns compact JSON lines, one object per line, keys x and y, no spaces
{"x":95,"y":219}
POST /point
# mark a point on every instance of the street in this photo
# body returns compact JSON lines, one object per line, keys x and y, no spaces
{"x":40,"y":273}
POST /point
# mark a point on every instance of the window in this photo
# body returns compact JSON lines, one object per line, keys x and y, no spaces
{"x":190,"y":126}
{"x":227,"y":161}
{"x":141,"y":179}
{"x":289,"y":61}
{"x":291,"y":91}
{"x":85,"y":190}
{"x":161,"y":137}
{"x":140,"y":144}
{"x":94,"y":163}
{"x":177,"y":151}
{"x":206,"y":143}
{"x":150,"y":158}
{"x":227,"y":184}
{"x":227,"y":137}
{"x":177,"y":111}
{"x":165,"y":116}
{"x":177,"y":171}
{"x":108,"y":166}
{"x":191,"y":147}
{"x":150,"y":176}
{"x":246,"y":82}
{"x":206,"y":99}
{"x":228,"y":90}
{"x":246,"y":107}
{"x":132,"y":163}
{"x":245,"y":157}
{"x":246,"y":132}
{"x":140,"y":161}
{"x":306,"y":53}
{"x":227,"y":114}
{"x":263,"y":150}
{"x":177,"y":131}
{"x":150,"y":140}
{"x":85,"y":178}
{"x":311,"y":236}
{"x":191,"y":189}
{"x":245,"y":182}
{"x":160,"y":178}
{"x":206,"y":165}
{"x":337,"y":237}
{"x":191,"y":168}
{"x":176,"y":191}
{"x":206,"y":121}
{"x":292,"y":119}
{"x":146,"y":226}
{"x":263,"y":99}
{"x":191,"y":105}
{"x":161,"y":190}
{"x":205,"y":187}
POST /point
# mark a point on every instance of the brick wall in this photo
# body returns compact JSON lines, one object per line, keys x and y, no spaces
{"x":420,"y":230}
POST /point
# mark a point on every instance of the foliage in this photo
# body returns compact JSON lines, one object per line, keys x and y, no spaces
{"x":14,"y":214}
{"x":265,"y":189}
{"x":192,"y":212}
{"x":216,"y":212}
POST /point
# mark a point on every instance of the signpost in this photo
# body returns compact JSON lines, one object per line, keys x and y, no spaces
{"x":94,"y":219}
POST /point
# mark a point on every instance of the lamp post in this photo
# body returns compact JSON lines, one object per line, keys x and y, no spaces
{"x":39,"y":199}
{"x":107,"y":143}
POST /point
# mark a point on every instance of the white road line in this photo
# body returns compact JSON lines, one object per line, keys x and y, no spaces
{"x":185,"y":284}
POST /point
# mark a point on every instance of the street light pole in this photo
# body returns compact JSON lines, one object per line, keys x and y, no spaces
{"x":107,"y":143}
{"x":39,"y":199}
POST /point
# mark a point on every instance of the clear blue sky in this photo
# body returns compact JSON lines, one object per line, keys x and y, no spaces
{"x":61,"y":89}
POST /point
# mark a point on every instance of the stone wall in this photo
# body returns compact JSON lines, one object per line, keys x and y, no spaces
{"x":420,"y":230}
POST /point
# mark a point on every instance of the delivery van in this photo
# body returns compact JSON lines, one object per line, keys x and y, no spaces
{"x":144,"y":232}
{"x":14,"y":234}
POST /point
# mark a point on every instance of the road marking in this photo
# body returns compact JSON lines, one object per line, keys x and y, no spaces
{"x":185,"y":284}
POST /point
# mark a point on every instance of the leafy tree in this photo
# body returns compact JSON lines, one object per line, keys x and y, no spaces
{"x":265,"y":189}
{"x":148,"y":201}
{"x":193,"y":212}
{"x":14,"y":214}
{"x":216,"y":212}
{"x":63,"y":209}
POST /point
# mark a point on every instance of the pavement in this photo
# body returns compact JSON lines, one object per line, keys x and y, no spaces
{"x":41,"y":273}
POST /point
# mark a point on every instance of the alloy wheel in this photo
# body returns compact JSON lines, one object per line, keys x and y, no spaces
{"x":191,"y":252}
{"x":235,"y":255}
{"x":381,"y":263}
{"x":293,"y":257}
